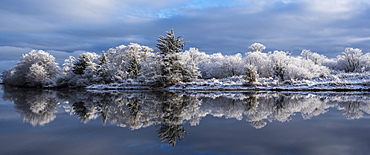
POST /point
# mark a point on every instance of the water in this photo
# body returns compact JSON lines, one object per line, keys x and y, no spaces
{"x":144,"y":122}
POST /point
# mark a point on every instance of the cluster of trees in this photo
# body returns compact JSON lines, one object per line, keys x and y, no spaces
{"x":170,"y":65}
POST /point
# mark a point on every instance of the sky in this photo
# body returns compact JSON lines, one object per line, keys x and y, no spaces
{"x":70,"y":27}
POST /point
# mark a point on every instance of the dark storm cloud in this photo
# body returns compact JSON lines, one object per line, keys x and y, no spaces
{"x":229,"y":27}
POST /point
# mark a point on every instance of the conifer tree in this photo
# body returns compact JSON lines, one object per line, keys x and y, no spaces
{"x":80,"y":65}
{"x":133,"y":68}
{"x":104,"y":70}
{"x":170,"y":64}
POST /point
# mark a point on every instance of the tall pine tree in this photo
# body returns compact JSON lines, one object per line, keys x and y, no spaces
{"x":171,"y":68}
{"x":81,"y":64}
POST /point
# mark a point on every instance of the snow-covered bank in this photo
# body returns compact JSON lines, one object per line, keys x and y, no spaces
{"x":339,"y":82}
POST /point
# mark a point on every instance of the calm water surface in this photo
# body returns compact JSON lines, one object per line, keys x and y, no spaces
{"x":143,"y":122}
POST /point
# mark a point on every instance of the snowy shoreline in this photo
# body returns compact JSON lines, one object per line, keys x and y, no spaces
{"x":232,"y":88}
{"x":341,"y":82}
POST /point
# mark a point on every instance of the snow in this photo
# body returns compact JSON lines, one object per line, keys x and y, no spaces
{"x":342,"y":81}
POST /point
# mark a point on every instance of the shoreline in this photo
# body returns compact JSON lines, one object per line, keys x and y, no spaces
{"x":230,"y":88}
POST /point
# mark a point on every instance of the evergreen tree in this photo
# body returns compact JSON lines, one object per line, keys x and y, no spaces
{"x":170,"y":64}
{"x":103,"y":69}
{"x":133,"y":68}
{"x":85,"y":67}
{"x":170,"y":44}
{"x":80,"y":65}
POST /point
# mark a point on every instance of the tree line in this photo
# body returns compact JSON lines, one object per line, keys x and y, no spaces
{"x":171,"y":65}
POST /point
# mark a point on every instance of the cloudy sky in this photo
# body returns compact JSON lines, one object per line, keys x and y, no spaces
{"x":70,"y":27}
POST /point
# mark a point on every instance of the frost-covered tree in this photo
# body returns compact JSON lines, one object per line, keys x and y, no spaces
{"x":170,"y":44}
{"x":86,"y":62}
{"x":67,"y":71}
{"x":220,"y":66}
{"x":233,"y":65}
{"x":350,"y":60}
{"x":257,"y":47}
{"x":127,"y":61}
{"x":286,"y":67}
{"x":281,"y":65}
{"x":133,"y":67}
{"x":365,"y":63}
{"x":69,"y":64}
{"x":105,"y":71}
{"x":84,"y":70}
{"x":190,"y":60}
{"x":251,"y":74}
{"x":35,"y":69}
{"x":209,"y":66}
{"x":261,"y":61}
{"x":134,"y":55}
{"x":171,"y":68}
{"x":279,"y":60}
{"x":318,"y":59}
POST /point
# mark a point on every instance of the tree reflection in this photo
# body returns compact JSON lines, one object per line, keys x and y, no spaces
{"x":36,"y":107}
{"x":84,"y":112}
{"x":171,"y":133}
{"x":172,"y":115}
{"x":354,"y":107}
{"x":171,"y":111}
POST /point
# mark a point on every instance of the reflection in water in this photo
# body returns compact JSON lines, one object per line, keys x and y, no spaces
{"x":173,"y":111}
{"x":36,"y":107}
{"x":170,"y":111}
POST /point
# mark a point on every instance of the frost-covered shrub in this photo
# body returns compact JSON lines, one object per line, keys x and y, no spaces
{"x":35,"y":69}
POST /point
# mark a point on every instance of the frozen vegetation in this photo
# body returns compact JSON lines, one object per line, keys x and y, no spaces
{"x":169,"y":111}
{"x":135,"y":66}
